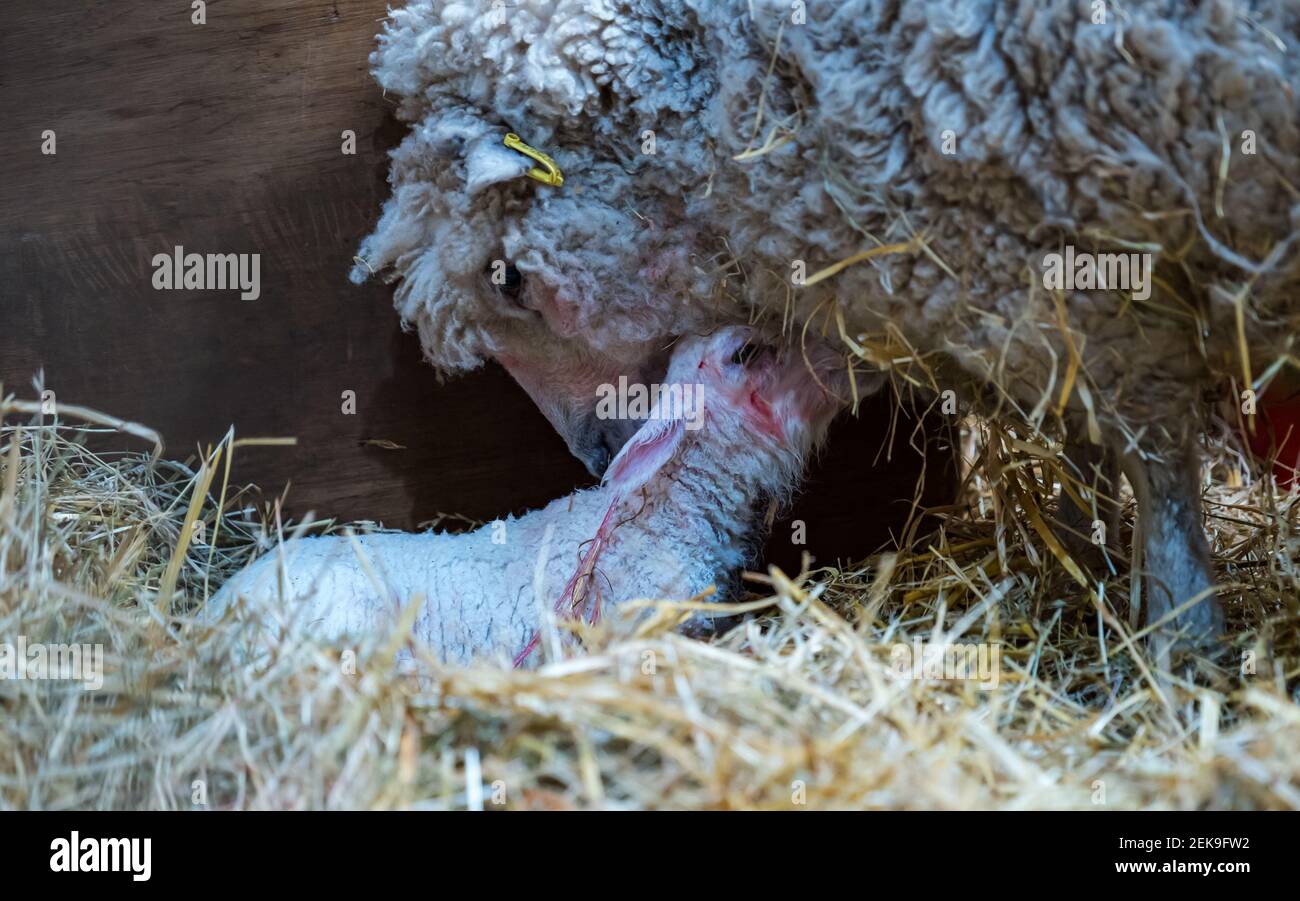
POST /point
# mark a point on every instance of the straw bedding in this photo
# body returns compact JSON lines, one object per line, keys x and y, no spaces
{"x":799,"y":706}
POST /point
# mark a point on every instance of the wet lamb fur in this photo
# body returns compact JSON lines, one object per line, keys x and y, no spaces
{"x":683,"y":507}
{"x":1108,"y":137}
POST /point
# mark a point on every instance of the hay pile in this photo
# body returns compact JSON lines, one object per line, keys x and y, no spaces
{"x":800,"y":706}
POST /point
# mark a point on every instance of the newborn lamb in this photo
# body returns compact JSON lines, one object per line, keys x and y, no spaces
{"x":677,"y":513}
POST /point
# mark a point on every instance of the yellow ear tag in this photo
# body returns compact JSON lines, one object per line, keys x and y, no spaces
{"x":548,"y":173}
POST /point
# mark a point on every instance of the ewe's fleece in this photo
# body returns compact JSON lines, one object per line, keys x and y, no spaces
{"x":1106,"y":136}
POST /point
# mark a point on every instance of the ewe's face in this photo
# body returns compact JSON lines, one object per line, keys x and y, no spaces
{"x":563,"y":375}
{"x":586,"y":294}
{"x":604,"y":264}
{"x":569,"y":289}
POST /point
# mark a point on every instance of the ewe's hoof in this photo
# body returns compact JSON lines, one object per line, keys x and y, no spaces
{"x":1196,"y":631}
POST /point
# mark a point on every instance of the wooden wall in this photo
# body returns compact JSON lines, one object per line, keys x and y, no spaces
{"x":226,"y":138}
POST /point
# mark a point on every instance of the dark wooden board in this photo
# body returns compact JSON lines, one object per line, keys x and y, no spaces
{"x":226,"y":138}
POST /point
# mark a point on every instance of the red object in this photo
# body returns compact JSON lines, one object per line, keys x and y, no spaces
{"x":1277,"y":430}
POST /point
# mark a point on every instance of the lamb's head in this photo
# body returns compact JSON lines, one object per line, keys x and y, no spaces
{"x":739,"y":406}
{"x":568,"y":286}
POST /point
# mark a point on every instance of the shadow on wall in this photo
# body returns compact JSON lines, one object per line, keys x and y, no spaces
{"x":859,"y":492}
{"x":476,"y":447}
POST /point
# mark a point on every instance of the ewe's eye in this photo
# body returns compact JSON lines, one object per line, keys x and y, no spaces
{"x":506,"y":278}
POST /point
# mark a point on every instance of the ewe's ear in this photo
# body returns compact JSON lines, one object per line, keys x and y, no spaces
{"x":488,"y":161}
{"x":645,"y":453}
{"x":463,"y":133}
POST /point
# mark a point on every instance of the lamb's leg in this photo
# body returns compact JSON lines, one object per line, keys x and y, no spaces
{"x":1176,"y":555}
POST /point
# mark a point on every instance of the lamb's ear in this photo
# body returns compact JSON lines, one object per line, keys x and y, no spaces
{"x":488,"y":161}
{"x":645,"y":453}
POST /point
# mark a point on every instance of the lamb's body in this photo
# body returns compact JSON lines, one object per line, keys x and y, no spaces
{"x":995,"y":132}
{"x":687,"y":523}
{"x":690,"y":532}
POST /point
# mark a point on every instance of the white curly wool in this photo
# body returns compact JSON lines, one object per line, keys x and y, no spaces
{"x":787,"y":135}
{"x":678,"y":513}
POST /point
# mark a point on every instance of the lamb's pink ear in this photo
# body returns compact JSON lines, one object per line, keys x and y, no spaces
{"x":650,"y":448}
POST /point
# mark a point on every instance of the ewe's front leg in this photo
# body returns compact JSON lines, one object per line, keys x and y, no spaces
{"x":1177,"y":565}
